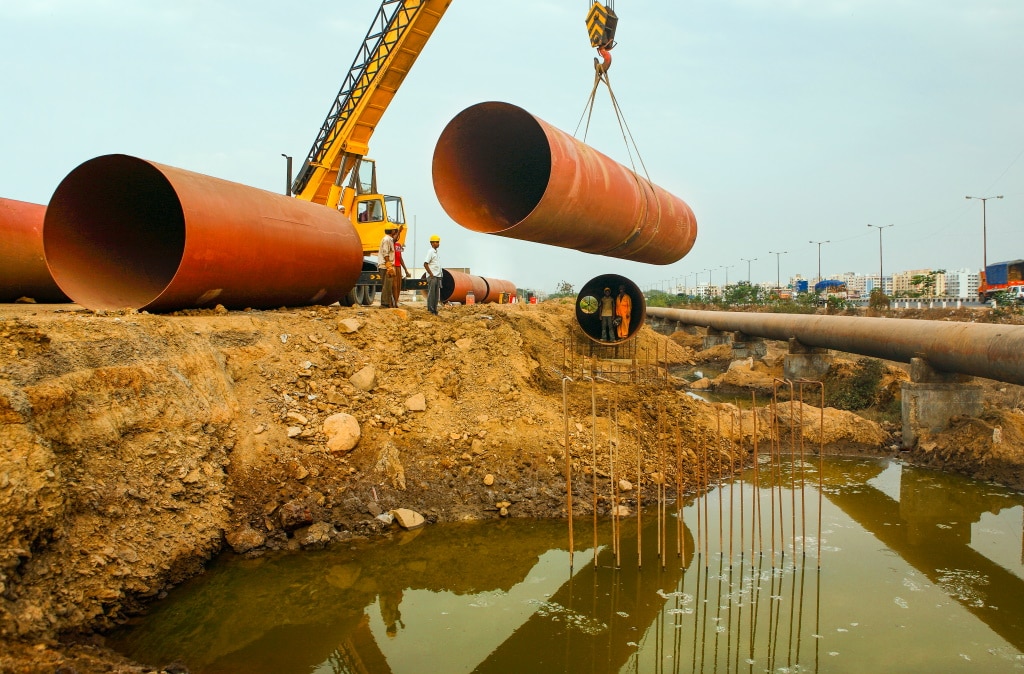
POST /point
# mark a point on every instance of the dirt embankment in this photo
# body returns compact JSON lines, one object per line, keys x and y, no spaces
{"x":134,"y":447}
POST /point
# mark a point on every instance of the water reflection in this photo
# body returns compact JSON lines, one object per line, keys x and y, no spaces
{"x":919,"y":572}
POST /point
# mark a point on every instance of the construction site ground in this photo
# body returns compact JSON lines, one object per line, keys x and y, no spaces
{"x":135,"y":447}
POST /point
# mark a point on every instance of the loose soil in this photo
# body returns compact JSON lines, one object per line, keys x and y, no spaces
{"x":135,"y":447}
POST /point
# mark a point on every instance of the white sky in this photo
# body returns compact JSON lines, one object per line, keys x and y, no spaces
{"x":778,"y":121}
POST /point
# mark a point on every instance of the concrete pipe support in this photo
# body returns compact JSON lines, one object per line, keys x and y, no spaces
{"x":588,"y":305}
{"x":23,"y":271}
{"x":975,"y":349}
{"x":122,"y":232}
{"x":497,"y":169}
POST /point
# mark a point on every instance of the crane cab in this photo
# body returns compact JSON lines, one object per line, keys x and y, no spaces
{"x":370,"y":211}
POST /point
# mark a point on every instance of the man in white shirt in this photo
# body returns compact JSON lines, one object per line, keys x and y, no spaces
{"x":433,"y":266}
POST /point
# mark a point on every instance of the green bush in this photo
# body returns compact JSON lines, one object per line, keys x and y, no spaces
{"x":857,"y":391}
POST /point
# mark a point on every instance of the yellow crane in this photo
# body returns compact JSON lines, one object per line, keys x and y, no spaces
{"x":337,"y":172}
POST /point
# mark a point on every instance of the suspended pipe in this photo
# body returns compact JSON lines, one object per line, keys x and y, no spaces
{"x":23,"y":271}
{"x":588,"y":314}
{"x":122,"y":232}
{"x":497,"y":169}
{"x":975,"y":349}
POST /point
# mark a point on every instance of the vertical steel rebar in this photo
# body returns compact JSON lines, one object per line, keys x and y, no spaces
{"x":568,"y":465}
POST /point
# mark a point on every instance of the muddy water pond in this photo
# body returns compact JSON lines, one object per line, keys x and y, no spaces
{"x":861,"y":566}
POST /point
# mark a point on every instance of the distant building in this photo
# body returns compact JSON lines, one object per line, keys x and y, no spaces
{"x":871,"y":282}
{"x":962,"y":283}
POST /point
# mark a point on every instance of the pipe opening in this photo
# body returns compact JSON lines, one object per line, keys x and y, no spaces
{"x":588,"y":307}
{"x":114,"y":233}
{"x":491,"y":167}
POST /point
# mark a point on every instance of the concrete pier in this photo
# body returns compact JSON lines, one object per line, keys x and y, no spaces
{"x":806,"y":362}
{"x":715,"y":338}
{"x":931,"y":398}
{"x":747,"y":346}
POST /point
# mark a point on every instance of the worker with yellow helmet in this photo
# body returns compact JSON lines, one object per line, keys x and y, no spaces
{"x":433,"y":266}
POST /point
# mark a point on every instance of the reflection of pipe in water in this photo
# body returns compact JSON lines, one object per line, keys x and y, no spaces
{"x":23,"y":271}
{"x":122,"y":232}
{"x":497,"y":169}
{"x":623,"y":603}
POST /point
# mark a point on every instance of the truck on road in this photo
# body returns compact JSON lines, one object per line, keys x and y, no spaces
{"x":1005,"y":277}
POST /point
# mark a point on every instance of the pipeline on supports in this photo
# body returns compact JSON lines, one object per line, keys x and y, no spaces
{"x":975,"y":349}
{"x":497,"y":169}
{"x":588,"y":306}
{"x":456,"y":286}
{"x":23,"y":271}
{"x":122,"y":232}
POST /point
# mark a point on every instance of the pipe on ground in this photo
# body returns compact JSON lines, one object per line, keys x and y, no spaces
{"x":456,"y":285}
{"x":588,"y":305}
{"x":23,"y":271}
{"x":122,"y":232}
{"x":498,"y":287}
{"x":976,"y":349}
{"x":497,"y":169}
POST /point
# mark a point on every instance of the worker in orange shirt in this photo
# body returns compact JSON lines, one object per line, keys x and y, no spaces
{"x":623,"y":311}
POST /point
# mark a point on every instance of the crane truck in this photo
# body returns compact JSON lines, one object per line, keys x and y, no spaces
{"x":336,"y":172}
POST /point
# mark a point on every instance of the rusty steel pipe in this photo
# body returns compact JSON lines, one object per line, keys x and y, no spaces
{"x":497,"y":169}
{"x":975,"y":349}
{"x":122,"y":232}
{"x":496,"y":288}
{"x":455,"y":285}
{"x":23,"y":271}
{"x":588,"y":314}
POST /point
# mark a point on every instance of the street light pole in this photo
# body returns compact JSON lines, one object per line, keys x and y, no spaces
{"x":881,"y":278}
{"x":819,"y":256}
{"x":984,"y":242}
{"x":748,"y":261}
{"x":778,"y":277}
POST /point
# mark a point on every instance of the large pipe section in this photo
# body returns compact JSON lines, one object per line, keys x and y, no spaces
{"x":975,"y":349}
{"x":122,"y":232}
{"x":456,"y":285}
{"x":588,"y":305}
{"x":23,"y":271}
{"x":498,"y":287}
{"x":497,"y":169}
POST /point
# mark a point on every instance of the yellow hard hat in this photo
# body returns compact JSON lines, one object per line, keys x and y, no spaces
{"x":435,"y":238}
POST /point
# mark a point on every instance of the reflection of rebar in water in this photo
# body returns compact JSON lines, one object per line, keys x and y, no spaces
{"x":755,"y":604}
{"x":821,"y":454}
